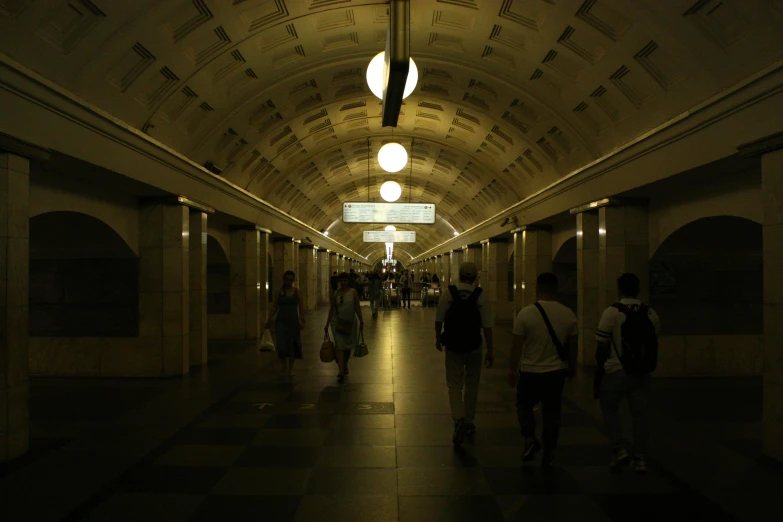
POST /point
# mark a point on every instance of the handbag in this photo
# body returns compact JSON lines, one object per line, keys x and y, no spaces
{"x":361,"y":348}
{"x":267,"y":345}
{"x":327,"y":350}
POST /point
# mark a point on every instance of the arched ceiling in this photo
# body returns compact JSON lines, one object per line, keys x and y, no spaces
{"x":513,"y":94}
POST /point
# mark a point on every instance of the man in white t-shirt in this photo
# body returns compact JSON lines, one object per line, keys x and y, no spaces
{"x":542,"y":357}
{"x":465,"y":315}
{"x":616,"y":383}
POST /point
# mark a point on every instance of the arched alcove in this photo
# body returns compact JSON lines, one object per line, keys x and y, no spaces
{"x":564,"y":267}
{"x":218,"y":278}
{"x":706,"y":278}
{"x":83,"y":278}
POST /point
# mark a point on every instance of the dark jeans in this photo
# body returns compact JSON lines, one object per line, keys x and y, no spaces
{"x":546,"y":388}
{"x":406,"y":295}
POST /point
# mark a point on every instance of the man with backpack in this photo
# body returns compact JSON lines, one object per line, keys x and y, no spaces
{"x":546,"y":340}
{"x":465,"y":311}
{"x":627,"y":354}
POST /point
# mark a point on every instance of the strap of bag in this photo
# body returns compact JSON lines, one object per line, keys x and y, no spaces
{"x":454,"y":293}
{"x":474,"y":295}
{"x":326,"y":337}
{"x":552,"y":334}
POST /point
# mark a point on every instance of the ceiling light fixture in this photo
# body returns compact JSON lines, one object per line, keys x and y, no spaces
{"x":391,"y":191}
{"x":392,"y":157}
{"x":390,"y":227}
{"x":375,"y":76}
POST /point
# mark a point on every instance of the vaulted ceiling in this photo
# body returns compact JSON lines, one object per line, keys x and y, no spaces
{"x":512,"y":95}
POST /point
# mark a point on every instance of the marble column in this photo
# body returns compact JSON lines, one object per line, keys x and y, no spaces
{"x":14,"y":312}
{"x":483,"y":271}
{"x":334,"y":265}
{"x":198,"y":288}
{"x":264,"y":284}
{"x":323,"y":276}
{"x":497,"y":279}
{"x":623,"y":246}
{"x":246,"y":279}
{"x":308,"y":276}
{"x":587,"y":312}
{"x":472,"y":253}
{"x":164,"y":287}
{"x":284,"y":260}
{"x":772,"y":197}
{"x":532,"y":256}
{"x":456,"y":260}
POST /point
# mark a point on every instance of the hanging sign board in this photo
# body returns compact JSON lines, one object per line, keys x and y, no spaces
{"x":405,"y":213}
{"x":389,"y":236}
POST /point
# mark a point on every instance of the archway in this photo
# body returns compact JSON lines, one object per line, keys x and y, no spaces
{"x":218,"y":278}
{"x":84,"y":278}
{"x":564,"y":267}
{"x":706,"y":278}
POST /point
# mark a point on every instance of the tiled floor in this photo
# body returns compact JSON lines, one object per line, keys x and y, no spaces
{"x":378,"y":448}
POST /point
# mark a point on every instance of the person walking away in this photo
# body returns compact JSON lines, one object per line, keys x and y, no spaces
{"x":543,"y":356}
{"x":333,"y":282}
{"x":627,"y":352}
{"x":288,"y":312}
{"x":405,"y":287}
{"x":343,"y":315}
{"x":464,"y":311}
{"x":375,"y":293}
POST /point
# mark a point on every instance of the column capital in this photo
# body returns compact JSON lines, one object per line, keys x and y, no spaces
{"x":531,"y":228}
{"x":283,"y":240}
{"x":472,"y":245}
{"x":607,"y":202}
{"x":307,"y":245}
{"x":177,"y":200}
{"x":12,"y":145}
{"x":764,"y":145}
{"x":250,"y":227}
{"x":494,"y":240}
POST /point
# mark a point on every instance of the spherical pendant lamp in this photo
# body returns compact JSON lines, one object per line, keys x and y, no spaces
{"x":392,"y":157}
{"x":375,"y":76}
{"x":391,"y":191}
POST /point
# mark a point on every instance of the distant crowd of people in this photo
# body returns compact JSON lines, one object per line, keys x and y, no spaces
{"x":543,"y":355}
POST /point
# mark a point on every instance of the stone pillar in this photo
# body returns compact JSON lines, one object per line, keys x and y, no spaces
{"x":246,"y":279}
{"x":497,"y":279}
{"x":334,"y":264}
{"x":308,"y":276}
{"x":164,"y":287}
{"x":472,"y":253}
{"x":587,"y":311}
{"x":532,"y":256}
{"x":14,"y":307}
{"x":623,"y":246}
{"x":456,"y":260}
{"x":446,"y":268}
{"x":198,"y":288}
{"x":264,"y":284}
{"x":284,"y":259}
{"x":484,"y":270}
{"x":324,"y":274}
{"x":772,"y":197}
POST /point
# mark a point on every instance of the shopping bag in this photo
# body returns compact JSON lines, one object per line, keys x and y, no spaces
{"x":267,"y":345}
{"x":327,"y":350}
{"x":361,"y":348}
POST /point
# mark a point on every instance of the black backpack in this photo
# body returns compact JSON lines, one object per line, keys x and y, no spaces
{"x":462,"y":330}
{"x":640,"y":342}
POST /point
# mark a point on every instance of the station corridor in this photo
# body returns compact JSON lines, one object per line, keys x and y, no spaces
{"x":243,"y":442}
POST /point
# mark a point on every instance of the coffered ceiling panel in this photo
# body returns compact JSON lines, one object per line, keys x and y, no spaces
{"x":512,"y":94}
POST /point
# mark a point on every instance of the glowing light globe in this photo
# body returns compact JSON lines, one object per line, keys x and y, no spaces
{"x":392,"y":157}
{"x":390,"y":227}
{"x":375,"y":76}
{"x":391,"y":191}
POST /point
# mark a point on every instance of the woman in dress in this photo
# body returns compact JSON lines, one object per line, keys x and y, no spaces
{"x":289,"y":309}
{"x":343,"y":315}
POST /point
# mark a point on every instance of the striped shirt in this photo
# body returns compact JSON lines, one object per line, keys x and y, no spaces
{"x":610,"y":331}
